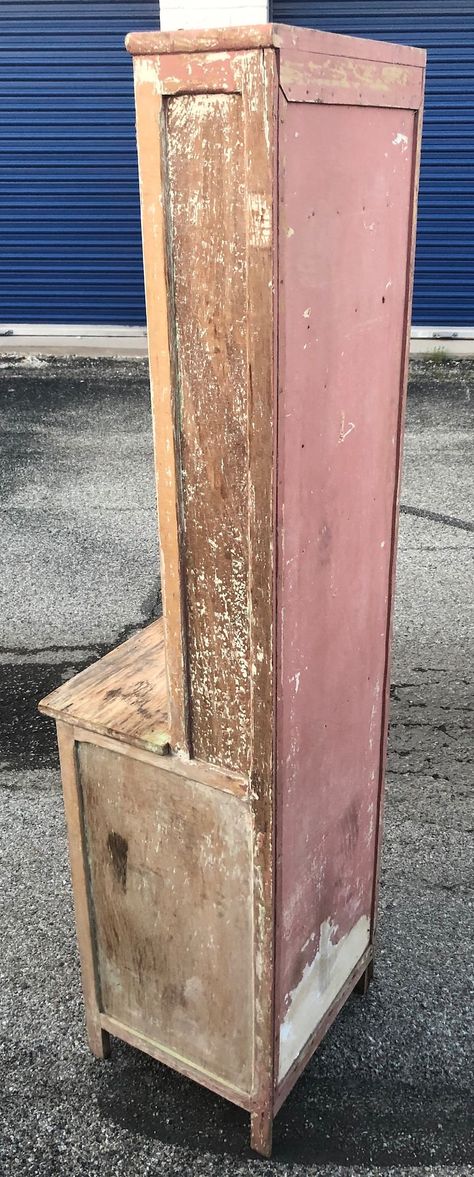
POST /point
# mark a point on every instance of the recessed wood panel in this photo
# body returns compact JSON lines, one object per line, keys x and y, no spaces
{"x":207,"y":224}
{"x":170,"y":872}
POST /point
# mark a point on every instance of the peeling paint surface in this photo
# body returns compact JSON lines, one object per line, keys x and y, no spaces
{"x":318,"y":77}
{"x":208,"y":210}
{"x":319,"y":986}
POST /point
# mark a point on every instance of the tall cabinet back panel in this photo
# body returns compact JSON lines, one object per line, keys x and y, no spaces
{"x":223,"y":771}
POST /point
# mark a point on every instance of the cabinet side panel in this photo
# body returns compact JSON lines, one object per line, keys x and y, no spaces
{"x":346,"y":190}
{"x":205,"y":136}
{"x":170,"y":867}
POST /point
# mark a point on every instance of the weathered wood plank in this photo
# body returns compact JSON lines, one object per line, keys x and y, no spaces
{"x":205,"y":139}
{"x":123,"y":695}
{"x":171,"y":879}
{"x":271,"y":35}
{"x":317,"y":77}
{"x":97,"y":1036}
{"x":159,"y":305}
{"x":260,"y":92}
{"x":178,"y":763}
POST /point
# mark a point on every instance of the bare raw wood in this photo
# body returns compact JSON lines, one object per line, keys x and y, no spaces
{"x":261,"y":121}
{"x":170,"y":872}
{"x":98,"y":1037}
{"x":179,"y":763}
{"x":124,"y":694}
{"x":207,"y":216}
{"x":159,"y":304}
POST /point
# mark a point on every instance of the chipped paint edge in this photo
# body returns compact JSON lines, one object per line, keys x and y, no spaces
{"x":319,"y":987}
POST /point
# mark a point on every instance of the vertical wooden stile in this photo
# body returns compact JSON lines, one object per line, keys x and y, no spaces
{"x":159,"y":303}
{"x":260,"y":93}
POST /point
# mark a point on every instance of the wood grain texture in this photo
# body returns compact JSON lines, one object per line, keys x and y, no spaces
{"x":186,"y":41}
{"x":205,"y":141}
{"x":345,"y":190}
{"x":178,"y":763}
{"x":159,"y":306}
{"x":123,"y":695}
{"x":97,"y":1036}
{"x":260,"y":108}
{"x":171,"y":879}
{"x":268,"y":36}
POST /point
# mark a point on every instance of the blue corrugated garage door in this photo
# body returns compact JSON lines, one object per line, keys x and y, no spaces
{"x":444,"y":277}
{"x":69,"y":213}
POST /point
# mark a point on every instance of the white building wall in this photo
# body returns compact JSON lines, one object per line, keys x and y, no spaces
{"x":189,"y":14}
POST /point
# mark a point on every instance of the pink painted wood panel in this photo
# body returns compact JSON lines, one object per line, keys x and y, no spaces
{"x":345,"y":192}
{"x":317,"y":77}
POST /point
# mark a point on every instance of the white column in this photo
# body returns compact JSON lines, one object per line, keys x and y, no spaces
{"x":212,"y":14}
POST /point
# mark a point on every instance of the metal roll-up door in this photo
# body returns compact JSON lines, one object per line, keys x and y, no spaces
{"x":70,"y":249}
{"x":444,"y":273}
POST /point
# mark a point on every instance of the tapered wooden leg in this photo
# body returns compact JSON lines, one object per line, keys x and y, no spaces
{"x":364,"y":981}
{"x":261,"y":1130}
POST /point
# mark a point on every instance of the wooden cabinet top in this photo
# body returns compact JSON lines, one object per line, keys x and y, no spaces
{"x":276,"y":36}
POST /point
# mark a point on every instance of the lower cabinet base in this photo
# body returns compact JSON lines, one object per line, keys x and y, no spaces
{"x":262,"y":1114}
{"x":163,"y":879}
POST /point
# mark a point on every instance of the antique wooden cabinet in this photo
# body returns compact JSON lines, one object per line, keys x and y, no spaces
{"x":223,"y":770}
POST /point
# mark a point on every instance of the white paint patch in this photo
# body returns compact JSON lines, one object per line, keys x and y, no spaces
{"x":260,"y":221}
{"x":186,"y":14}
{"x":146,"y":71}
{"x":400,"y":141}
{"x":345,"y":431}
{"x":320,"y":984}
{"x":307,"y":313}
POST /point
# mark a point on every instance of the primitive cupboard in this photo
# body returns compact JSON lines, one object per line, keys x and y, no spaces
{"x":223,"y":770}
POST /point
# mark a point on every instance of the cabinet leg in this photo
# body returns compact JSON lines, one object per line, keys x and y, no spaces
{"x":98,"y":1039}
{"x":364,"y":981}
{"x":261,"y":1129}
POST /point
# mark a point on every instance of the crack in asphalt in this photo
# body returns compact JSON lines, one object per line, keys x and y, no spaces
{"x":437,"y":517}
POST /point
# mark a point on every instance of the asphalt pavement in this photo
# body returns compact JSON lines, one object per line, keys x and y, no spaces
{"x":390,"y":1089}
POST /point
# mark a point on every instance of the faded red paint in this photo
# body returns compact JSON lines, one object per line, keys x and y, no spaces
{"x":350,"y":81}
{"x":345,"y":186}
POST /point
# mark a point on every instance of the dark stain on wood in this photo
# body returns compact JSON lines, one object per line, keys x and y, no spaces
{"x":172,"y":902}
{"x":118,"y":850}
